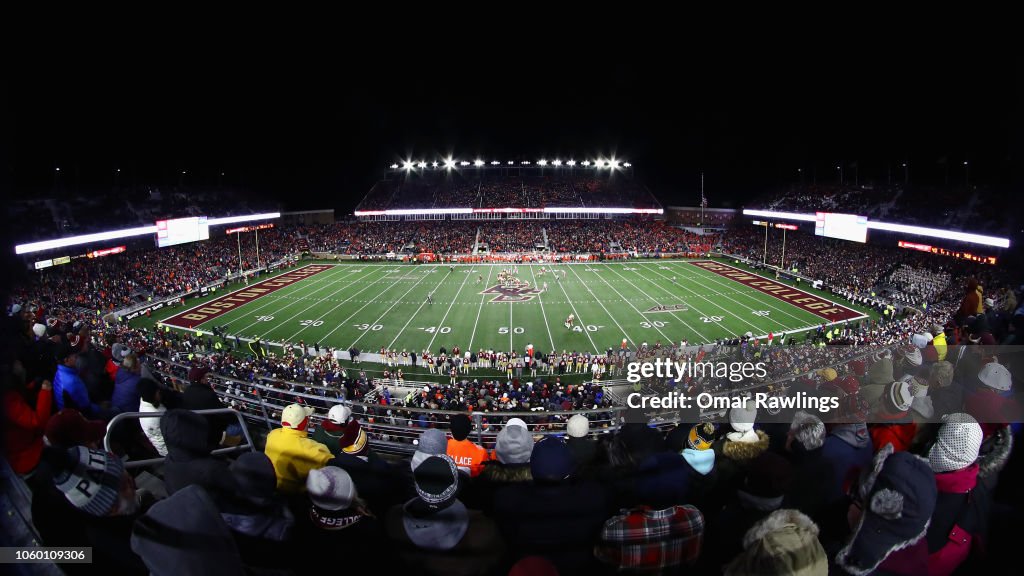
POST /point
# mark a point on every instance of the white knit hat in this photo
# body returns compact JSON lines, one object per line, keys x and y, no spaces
{"x":742,"y":421}
{"x":39,"y":330}
{"x":995,"y":376}
{"x":330,"y":488}
{"x":957,"y":444}
{"x":517,"y":422}
{"x":578,"y":426}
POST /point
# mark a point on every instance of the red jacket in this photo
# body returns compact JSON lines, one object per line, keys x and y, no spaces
{"x":899,"y":435}
{"x":23,"y":429}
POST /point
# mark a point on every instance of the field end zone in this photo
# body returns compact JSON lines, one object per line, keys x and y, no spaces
{"x":824,"y":309}
{"x":208,"y":311}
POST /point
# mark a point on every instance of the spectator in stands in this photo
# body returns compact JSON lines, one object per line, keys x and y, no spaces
{"x":511,"y":462}
{"x":335,"y":518}
{"x":813,"y":476}
{"x":150,"y":401}
{"x":260,"y":521}
{"x":961,"y":510}
{"x":735,"y":450}
{"x":26,"y":412}
{"x":889,"y":516}
{"x":785,"y":542}
{"x":847,"y":451}
{"x":188,"y":459}
{"x":92,"y":365}
{"x":432,"y":442}
{"x":68,"y":428}
{"x":90,"y":501}
{"x":892,"y":423}
{"x":992,"y":403}
{"x":292,"y":452}
{"x":209,"y":549}
{"x":68,"y":388}
{"x":645,"y":540}
{"x":553,"y":516}
{"x":666,"y":475}
{"x":469,"y":457}
{"x":761,"y":491}
{"x":200,"y":395}
{"x":341,"y":428}
{"x":435,"y":533}
{"x":582,"y":447}
{"x":126,"y":382}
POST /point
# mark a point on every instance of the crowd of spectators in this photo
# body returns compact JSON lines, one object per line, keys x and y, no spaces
{"x":758,"y":490}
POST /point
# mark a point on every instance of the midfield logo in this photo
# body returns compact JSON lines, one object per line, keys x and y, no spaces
{"x":668,"y":308}
{"x":511,"y":294}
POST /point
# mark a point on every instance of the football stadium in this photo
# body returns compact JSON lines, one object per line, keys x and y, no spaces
{"x":508,"y":361}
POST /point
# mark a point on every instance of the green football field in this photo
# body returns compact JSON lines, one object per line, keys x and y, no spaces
{"x":374,"y":305}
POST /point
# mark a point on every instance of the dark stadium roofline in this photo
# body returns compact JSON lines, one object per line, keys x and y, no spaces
{"x":894,"y":227}
{"x":127,"y":233}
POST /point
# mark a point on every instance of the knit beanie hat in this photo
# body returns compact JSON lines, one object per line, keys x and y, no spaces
{"x":784,"y":542}
{"x":432,"y":442}
{"x":437,"y":481}
{"x":91,"y":480}
{"x":255,"y":477}
{"x":808,"y":430}
{"x":461,"y":426}
{"x":912,"y":355}
{"x":701,"y":436}
{"x":353,"y":440}
{"x":330,"y":488}
{"x":742,"y":421}
{"x":578,"y":426}
{"x":828,"y":374}
{"x":957,"y":444}
{"x":514,"y":445}
{"x":551,"y":460}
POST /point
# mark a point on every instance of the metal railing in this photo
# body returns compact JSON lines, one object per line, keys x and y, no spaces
{"x":123,"y":416}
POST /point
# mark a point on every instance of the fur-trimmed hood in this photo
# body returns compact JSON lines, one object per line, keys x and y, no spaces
{"x":898,"y":496}
{"x":745,"y":450}
{"x":784,"y":542}
{"x":495,"y":471}
{"x":999,"y":447}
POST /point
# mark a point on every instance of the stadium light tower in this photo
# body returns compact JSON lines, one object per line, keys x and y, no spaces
{"x":557,"y":163}
{"x":586,"y":162}
{"x":422,"y":164}
{"x":407,"y":165}
{"x":449,"y":163}
{"x":542,"y":162}
{"x":906,"y":174}
{"x":967,"y":174}
{"x":571,"y":163}
{"x":478,"y":162}
{"x":614,"y":164}
{"x":434,"y":164}
{"x":840,"y":169}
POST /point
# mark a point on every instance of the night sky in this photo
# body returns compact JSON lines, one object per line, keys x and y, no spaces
{"x":315,"y":130}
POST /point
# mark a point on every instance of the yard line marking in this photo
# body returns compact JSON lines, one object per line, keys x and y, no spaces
{"x":336,"y":306}
{"x":386,"y":311}
{"x":690,"y":290}
{"x":652,"y":299}
{"x":478,"y":310}
{"x":274,"y":297}
{"x":352,"y":315}
{"x":577,"y":314}
{"x":315,"y":302}
{"x":445,"y":317}
{"x":286,"y":306}
{"x":551,"y":338}
{"x":724,"y":283}
{"x":603,"y":307}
